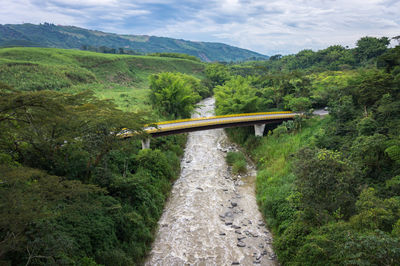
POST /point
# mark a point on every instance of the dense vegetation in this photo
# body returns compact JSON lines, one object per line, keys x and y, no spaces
{"x":174,"y":95}
{"x":50,"y":35}
{"x":329,"y":188}
{"x":72,"y":192}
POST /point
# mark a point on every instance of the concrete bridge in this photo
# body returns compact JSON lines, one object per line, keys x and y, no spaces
{"x":258,"y":120}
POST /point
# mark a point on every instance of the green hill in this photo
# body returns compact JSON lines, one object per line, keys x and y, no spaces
{"x":49,"y":35}
{"x":123,"y":78}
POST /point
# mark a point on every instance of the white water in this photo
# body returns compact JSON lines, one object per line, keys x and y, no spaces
{"x":209,"y":209}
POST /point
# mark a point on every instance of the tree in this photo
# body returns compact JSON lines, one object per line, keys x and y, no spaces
{"x":369,"y":87}
{"x":371,"y":47}
{"x":327,"y":185}
{"x":54,"y":131}
{"x":173,"y":94}
{"x":238,"y":96}
{"x":29,"y":196}
{"x":297,"y":104}
{"x":217,"y":73}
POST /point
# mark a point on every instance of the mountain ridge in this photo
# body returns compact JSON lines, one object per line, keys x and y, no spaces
{"x":73,"y":37}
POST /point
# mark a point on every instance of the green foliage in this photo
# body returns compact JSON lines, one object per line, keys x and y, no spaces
{"x":326,"y":183}
{"x":370,"y":47}
{"x":330,"y":191}
{"x":59,"y":220}
{"x":176,"y":55}
{"x":375,"y":213}
{"x":300,"y":104}
{"x":29,"y":198}
{"x":390,"y":59}
{"x":237,"y":96}
{"x":239,"y":167}
{"x":238,"y":162}
{"x":369,"y":87}
{"x":173,"y":94}
{"x":108,"y":75}
{"x":217,"y":74}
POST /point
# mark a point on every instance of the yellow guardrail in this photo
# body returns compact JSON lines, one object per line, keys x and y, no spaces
{"x":242,"y":118}
{"x":289,"y":115}
{"x":220,"y":116}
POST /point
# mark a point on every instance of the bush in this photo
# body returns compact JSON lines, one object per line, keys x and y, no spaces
{"x":232,"y":157}
{"x":238,"y":162}
{"x":239,"y":167}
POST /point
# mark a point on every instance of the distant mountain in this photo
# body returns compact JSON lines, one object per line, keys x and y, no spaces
{"x":50,"y":35}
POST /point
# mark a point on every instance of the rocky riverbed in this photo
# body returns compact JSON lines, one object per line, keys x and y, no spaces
{"x":211,"y":217}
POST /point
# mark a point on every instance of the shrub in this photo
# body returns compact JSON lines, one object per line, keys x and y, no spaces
{"x":239,"y":167}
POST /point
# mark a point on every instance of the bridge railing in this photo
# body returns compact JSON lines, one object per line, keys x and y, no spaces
{"x":215,"y":122}
{"x":220,"y":116}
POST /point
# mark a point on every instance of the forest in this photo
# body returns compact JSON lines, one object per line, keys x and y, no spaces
{"x":74,"y":193}
{"x":328,"y":188}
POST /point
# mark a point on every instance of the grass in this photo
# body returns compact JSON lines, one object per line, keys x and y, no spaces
{"x":123,"y":78}
{"x":274,"y":185}
{"x":238,"y":162}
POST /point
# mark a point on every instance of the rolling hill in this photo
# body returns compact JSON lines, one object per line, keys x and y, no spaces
{"x":71,"y":37}
{"x":123,"y":78}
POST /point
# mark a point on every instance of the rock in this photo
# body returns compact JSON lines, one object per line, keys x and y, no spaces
{"x":261,"y":246}
{"x":265,"y":252}
{"x":235,"y":263}
{"x":164,"y":225}
{"x":235,"y":227}
{"x":248,"y":233}
{"x":241,"y":244}
{"x":228,"y":223}
{"x":240,"y":238}
{"x":229,"y":214}
{"x":257,"y":262}
{"x":222,"y":234}
{"x":238,"y":232}
{"x":234,"y":204}
{"x":199,"y":188}
{"x":225,"y":189}
{"x":258,"y":257}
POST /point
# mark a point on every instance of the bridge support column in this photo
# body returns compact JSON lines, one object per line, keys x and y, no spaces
{"x":259,"y":130}
{"x":146,"y":143}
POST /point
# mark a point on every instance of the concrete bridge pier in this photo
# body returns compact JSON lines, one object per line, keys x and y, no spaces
{"x":259,"y":130}
{"x":146,"y":143}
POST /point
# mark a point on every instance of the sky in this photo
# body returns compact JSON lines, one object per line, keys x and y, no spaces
{"x":265,"y":26}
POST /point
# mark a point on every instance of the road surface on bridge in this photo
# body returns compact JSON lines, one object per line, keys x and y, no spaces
{"x":217,"y":120}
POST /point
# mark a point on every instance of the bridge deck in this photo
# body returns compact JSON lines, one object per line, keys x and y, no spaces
{"x":205,"y":122}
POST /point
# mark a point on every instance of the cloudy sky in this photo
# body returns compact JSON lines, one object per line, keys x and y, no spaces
{"x":264,"y":26}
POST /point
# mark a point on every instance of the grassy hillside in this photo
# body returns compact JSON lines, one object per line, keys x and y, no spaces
{"x":123,"y":78}
{"x":49,"y":35}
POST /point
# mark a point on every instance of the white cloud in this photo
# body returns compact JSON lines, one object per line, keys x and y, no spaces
{"x":269,"y":27}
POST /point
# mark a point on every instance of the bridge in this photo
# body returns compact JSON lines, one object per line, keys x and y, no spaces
{"x":258,"y":120}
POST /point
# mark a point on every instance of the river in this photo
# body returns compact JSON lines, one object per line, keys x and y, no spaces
{"x":211,"y":217}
